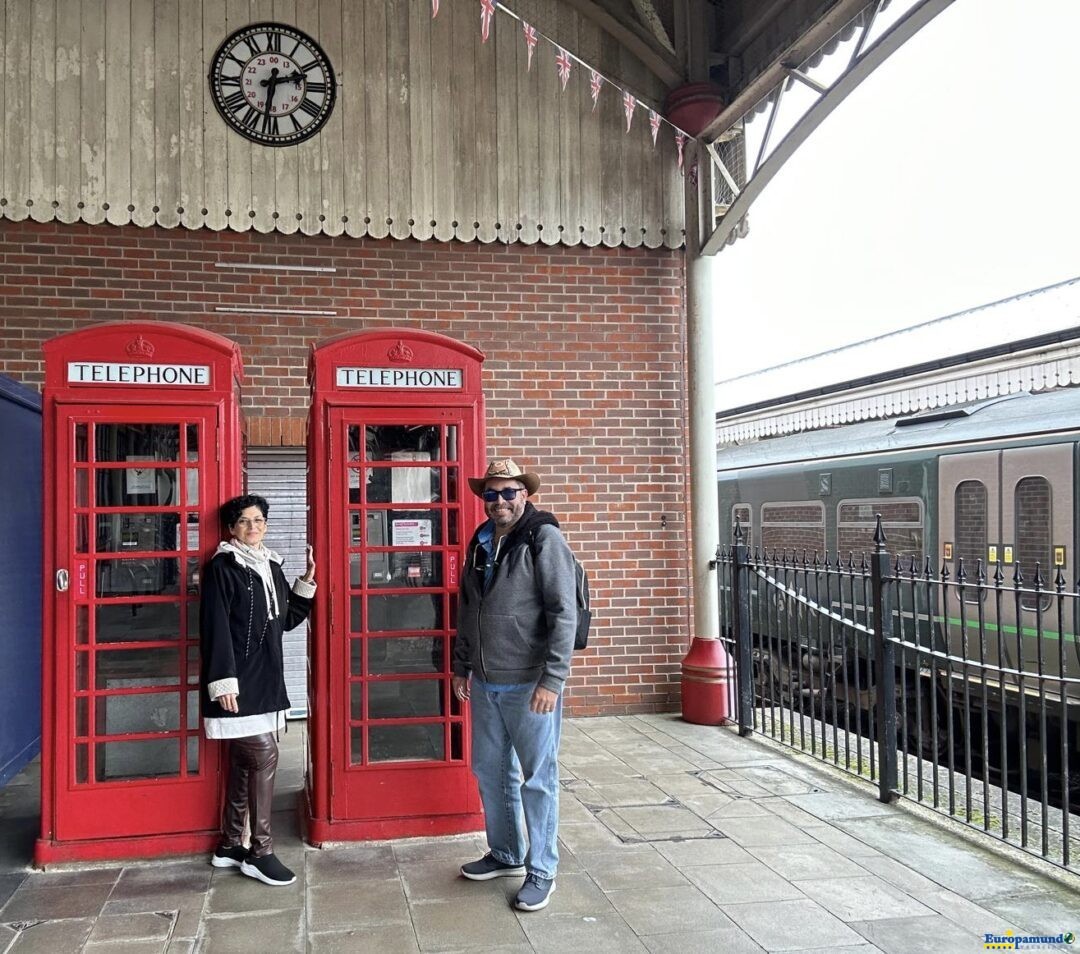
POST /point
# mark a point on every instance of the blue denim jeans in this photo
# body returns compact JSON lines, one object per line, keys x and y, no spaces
{"x":515,"y":758}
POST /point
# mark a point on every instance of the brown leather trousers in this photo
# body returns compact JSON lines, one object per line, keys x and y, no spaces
{"x":250,"y":791}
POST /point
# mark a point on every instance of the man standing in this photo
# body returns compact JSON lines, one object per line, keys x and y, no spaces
{"x":517,"y":613}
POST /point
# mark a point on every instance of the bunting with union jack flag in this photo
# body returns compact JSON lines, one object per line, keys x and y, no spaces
{"x":680,"y":141}
{"x":595,"y":82}
{"x":487,"y":14}
{"x":654,"y":124}
{"x":628,"y":104}
{"x":562,"y":64}
{"x":434,"y":9}
{"x":530,"y":42}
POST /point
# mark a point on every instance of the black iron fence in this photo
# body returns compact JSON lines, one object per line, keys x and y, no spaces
{"x":965,"y":698}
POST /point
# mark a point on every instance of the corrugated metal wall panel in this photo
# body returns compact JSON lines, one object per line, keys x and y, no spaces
{"x":280,"y":475}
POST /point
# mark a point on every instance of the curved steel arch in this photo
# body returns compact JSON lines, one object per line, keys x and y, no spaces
{"x":862,"y":64}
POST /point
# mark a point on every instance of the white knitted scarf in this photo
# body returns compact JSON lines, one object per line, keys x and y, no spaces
{"x":258,"y":560}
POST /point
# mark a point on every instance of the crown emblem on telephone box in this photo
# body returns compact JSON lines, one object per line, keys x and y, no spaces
{"x":139,"y":347}
{"x":400,"y":353}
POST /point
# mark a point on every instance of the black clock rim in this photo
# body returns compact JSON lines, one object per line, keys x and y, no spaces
{"x":314,"y":127}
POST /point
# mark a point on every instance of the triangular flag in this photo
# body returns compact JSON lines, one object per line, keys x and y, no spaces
{"x":530,"y":41}
{"x":487,"y":12}
{"x":654,"y":124}
{"x":562,"y":63}
{"x":595,"y":82}
{"x":628,"y":103}
{"x":434,"y":9}
{"x":680,"y":140}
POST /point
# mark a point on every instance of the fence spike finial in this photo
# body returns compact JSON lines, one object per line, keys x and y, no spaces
{"x":999,"y":574}
{"x":980,"y":573}
{"x":879,"y":535}
{"x":1037,"y":580}
{"x":961,"y":573}
{"x":944,"y":570}
{"x":738,"y":531}
{"x":1018,"y":576}
{"x":1059,"y":580}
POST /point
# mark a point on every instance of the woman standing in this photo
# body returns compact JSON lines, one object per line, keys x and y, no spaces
{"x":246,"y":607}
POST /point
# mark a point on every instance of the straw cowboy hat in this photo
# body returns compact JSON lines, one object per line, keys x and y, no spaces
{"x":507,"y":469}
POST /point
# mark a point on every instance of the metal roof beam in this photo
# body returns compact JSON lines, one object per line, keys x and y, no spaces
{"x":663,"y":64}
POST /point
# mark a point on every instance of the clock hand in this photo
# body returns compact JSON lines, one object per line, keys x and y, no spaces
{"x":271,"y":85}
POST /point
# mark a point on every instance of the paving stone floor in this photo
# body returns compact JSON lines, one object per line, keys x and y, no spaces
{"x":676,"y":839}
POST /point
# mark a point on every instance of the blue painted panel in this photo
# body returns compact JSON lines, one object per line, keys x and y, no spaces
{"x":20,"y":576}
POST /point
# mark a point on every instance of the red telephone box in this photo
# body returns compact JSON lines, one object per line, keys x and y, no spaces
{"x":141,"y":443}
{"x":396,"y":427}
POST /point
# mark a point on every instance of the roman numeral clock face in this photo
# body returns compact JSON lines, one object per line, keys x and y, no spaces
{"x":272,"y":84}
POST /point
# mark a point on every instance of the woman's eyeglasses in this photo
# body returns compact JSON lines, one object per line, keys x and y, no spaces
{"x":507,"y":494}
{"x":257,"y":522}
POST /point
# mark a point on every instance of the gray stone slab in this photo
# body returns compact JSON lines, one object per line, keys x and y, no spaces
{"x":856,"y":949}
{"x":148,"y":926}
{"x":1049,"y":912}
{"x":8,"y":885}
{"x":711,"y":803}
{"x":54,"y":878}
{"x":592,"y":837}
{"x":484,"y":924}
{"x":441,"y":882}
{"x":792,"y":925}
{"x":777,"y":780}
{"x":899,"y":874}
{"x":7,"y":935}
{"x":650,"y":765}
{"x":181,"y":945}
{"x":652,"y":910}
{"x":457,"y":849}
{"x":31,"y":903}
{"x":651,"y":820}
{"x":761,"y":830}
{"x":234,"y":893}
{"x":600,"y":773}
{"x":187,"y":910}
{"x":353,"y":863}
{"x":634,"y":791}
{"x":904,"y":935}
{"x":281,"y":932}
{"x":631,"y":867}
{"x":732,"y":940}
{"x":378,"y":939}
{"x":967,"y":914}
{"x":815,"y":860}
{"x":950,"y":861}
{"x":163,"y":879}
{"x":679,"y":784}
{"x":702,"y":851}
{"x":841,"y":805}
{"x":577,"y":895}
{"x":556,"y":935}
{"x":792,"y":814}
{"x":340,"y":907}
{"x":733,"y":782}
{"x":844,"y":843}
{"x":865,"y":898}
{"x":52,"y":937}
{"x":732,"y":884}
{"x":125,"y":947}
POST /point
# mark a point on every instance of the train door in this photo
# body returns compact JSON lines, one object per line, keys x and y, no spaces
{"x":1008,"y":508}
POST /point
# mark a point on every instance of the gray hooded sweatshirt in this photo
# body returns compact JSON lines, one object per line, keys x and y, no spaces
{"x":520,"y":629}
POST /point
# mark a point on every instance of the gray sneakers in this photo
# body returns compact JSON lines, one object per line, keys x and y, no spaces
{"x":489,"y":867}
{"x":535,"y":893}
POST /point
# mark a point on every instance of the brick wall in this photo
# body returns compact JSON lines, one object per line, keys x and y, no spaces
{"x":584,"y":380}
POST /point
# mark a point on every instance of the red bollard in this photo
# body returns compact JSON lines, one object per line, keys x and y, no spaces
{"x":706,"y":672}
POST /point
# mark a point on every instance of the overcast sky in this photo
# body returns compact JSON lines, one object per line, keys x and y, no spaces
{"x":947,"y":180}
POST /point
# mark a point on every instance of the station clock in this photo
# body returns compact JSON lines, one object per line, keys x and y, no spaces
{"x":273,"y":84}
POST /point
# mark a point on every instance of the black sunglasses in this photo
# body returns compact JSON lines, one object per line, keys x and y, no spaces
{"x":507,"y":494}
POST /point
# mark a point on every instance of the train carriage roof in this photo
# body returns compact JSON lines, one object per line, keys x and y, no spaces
{"x":1010,"y":416}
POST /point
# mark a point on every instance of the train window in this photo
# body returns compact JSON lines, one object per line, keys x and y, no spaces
{"x":901,"y":519}
{"x":742,"y":514}
{"x":1033,"y":499}
{"x":970,"y":528}
{"x":794,"y":526}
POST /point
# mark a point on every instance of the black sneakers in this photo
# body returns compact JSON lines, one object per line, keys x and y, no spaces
{"x":229,"y":857}
{"x":489,"y":867}
{"x":268,"y":870}
{"x":535,"y":893}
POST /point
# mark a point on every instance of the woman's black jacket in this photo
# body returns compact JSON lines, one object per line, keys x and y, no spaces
{"x":238,"y":641}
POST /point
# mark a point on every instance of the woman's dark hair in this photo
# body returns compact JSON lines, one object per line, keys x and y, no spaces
{"x":231,"y":510}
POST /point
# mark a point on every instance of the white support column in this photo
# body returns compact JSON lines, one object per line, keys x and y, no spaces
{"x":700,"y":317}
